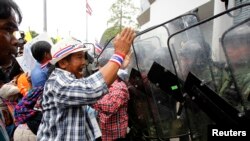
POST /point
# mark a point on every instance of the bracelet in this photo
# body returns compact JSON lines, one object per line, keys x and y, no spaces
{"x":122,"y":55}
{"x":117,"y":58}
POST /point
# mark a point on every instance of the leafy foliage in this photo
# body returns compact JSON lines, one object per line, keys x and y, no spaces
{"x":108,"y":34}
{"x":122,"y":14}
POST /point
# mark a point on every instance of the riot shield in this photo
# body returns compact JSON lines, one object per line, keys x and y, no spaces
{"x":236,"y":44}
{"x":159,"y":120}
{"x":153,"y":111}
{"x":205,"y":68}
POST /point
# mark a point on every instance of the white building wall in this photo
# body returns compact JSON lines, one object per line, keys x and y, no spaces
{"x":219,"y":27}
{"x":164,"y":10}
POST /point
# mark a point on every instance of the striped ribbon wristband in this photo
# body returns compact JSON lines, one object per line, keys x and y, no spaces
{"x":117,"y":58}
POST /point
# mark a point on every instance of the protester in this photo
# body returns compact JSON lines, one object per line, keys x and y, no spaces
{"x":8,"y":25}
{"x":27,"y":118}
{"x":112,"y":107}
{"x":41,"y":52}
{"x":67,"y":94}
{"x":39,"y":75}
{"x":10,"y":17}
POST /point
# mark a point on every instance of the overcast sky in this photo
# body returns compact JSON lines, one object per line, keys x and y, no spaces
{"x":67,"y":17}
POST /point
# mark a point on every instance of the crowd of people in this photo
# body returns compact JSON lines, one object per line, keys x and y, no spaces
{"x":53,"y":102}
{"x":59,"y":101}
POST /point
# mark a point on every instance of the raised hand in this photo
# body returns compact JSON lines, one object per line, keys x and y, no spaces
{"x":123,"y":41}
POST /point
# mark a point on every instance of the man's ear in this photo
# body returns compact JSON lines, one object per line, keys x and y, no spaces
{"x":63,"y":63}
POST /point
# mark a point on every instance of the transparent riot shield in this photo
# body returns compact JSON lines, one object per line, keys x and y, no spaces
{"x":153,"y":108}
{"x":153,"y":113}
{"x":151,"y":45}
{"x":198,"y":58}
{"x":236,"y":44}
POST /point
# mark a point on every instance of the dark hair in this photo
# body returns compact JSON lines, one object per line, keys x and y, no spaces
{"x":39,"y":49}
{"x":8,"y":8}
{"x":67,"y":58}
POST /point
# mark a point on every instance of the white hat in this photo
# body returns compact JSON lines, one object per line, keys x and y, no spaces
{"x":65,"y":47}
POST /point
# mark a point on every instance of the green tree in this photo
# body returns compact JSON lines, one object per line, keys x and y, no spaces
{"x":108,"y":34}
{"x":123,"y":13}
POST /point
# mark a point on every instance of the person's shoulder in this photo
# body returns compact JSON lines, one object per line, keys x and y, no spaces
{"x":36,"y":72}
{"x":36,"y":68}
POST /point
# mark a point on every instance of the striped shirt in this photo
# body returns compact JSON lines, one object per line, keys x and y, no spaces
{"x":65,"y":98}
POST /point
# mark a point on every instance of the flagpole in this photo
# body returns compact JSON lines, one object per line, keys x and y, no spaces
{"x":45,"y":15}
{"x":86,"y":27}
{"x":86,"y":23}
